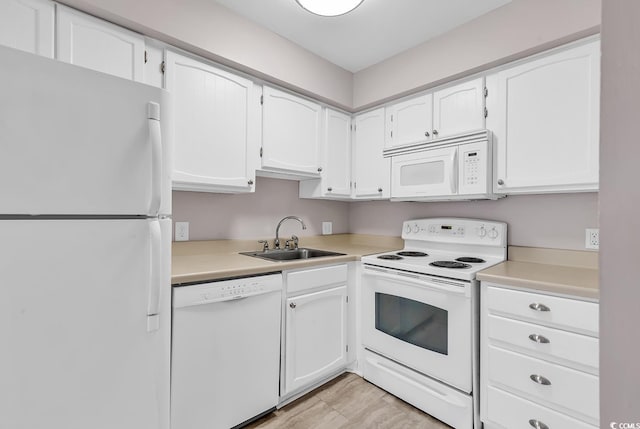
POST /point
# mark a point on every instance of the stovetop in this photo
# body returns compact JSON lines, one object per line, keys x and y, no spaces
{"x":447,"y":247}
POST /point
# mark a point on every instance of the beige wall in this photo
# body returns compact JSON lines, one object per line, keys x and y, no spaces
{"x":515,"y":30}
{"x":211,"y":30}
{"x":249,"y":216}
{"x":619,"y":218}
{"x":553,"y":221}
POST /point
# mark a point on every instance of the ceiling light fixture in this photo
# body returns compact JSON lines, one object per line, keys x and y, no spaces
{"x":329,"y":7}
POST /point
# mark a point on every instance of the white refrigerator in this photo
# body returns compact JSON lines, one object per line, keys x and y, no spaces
{"x":85,"y":236}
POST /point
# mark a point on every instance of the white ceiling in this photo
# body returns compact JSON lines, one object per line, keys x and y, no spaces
{"x":375,"y":31}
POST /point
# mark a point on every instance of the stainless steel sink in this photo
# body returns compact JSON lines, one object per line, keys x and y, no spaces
{"x":289,"y":255}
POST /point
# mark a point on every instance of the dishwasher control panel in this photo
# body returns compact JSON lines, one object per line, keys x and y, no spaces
{"x":225,"y":290}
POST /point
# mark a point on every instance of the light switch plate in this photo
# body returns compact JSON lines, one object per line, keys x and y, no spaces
{"x":592,"y":238}
{"x":182,"y":231}
{"x":327,"y":228}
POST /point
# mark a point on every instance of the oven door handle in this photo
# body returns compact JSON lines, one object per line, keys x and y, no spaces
{"x":449,"y":287}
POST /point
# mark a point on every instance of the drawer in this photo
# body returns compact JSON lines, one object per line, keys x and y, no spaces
{"x":298,"y":281}
{"x":540,"y":341}
{"x":575,"y":391}
{"x":564,"y":313}
{"x":510,"y":412}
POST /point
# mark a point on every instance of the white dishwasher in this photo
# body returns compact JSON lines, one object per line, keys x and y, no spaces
{"x":225,"y":354}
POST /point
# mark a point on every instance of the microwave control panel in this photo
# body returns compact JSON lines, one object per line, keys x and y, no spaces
{"x":474,"y":160}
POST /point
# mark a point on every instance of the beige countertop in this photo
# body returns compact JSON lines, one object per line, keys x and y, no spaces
{"x":560,"y":272}
{"x":194,"y":261}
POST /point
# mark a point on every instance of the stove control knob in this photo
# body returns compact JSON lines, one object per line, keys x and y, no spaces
{"x":493,"y":234}
{"x":482,"y":231}
{"x":408,"y":229}
{"x":416,"y":228}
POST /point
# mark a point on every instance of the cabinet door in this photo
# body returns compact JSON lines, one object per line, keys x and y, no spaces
{"x":459,"y":108}
{"x":336,"y":172}
{"x":215,"y":134}
{"x":291,"y":133}
{"x":27,"y":25}
{"x":316,"y":336}
{"x":547,"y":124}
{"x":98,"y":45}
{"x":371,"y":171}
{"x":409,"y":121}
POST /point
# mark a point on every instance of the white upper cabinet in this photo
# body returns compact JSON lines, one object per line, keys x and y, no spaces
{"x":93,"y":43}
{"x":28,"y":25}
{"x":291,"y":134}
{"x":546,"y":124}
{"x":452,"y":110}
{"x":459,"y":108}
{"x":409,"y":121}
{"x":154,"y":63}
{"x":371,"y":171}
{"x":335,"y":178}
{"x":215,"y":127}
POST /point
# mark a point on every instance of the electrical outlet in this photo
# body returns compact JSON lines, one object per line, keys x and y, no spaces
{"x":592,"y":238}
{"x":182,"y":231}
{"x":327,"y":228}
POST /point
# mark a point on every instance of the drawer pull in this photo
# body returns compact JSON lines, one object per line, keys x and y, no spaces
{"x":538,"y":424}
{"x":539,"y":307}
{"x":539,"y":339}
{"x":540,"y":379}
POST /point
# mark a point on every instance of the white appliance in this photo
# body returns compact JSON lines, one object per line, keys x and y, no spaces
{"x":226,"y":352}
{"x":450,"y":168}
{"x":420,"y":315}
{"x":85,"y":201}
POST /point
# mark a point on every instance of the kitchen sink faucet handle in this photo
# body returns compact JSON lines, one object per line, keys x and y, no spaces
{"x":265,"y":245}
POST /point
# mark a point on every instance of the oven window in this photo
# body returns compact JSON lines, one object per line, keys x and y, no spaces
{"x":414,"y":322}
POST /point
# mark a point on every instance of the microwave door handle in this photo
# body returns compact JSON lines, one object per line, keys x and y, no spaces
{"x":453,"y":172}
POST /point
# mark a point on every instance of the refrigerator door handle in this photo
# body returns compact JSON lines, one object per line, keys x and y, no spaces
{"x":155,"y":276}
{"x":155,"y":140}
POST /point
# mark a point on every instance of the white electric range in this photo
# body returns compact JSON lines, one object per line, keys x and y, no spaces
{"x":420,"y":321}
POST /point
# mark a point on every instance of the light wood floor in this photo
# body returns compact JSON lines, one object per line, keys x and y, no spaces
{"x":350,"y":402}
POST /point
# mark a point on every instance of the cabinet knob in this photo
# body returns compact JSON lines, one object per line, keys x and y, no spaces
{"x":329,"y":189}
{"x":539,"y":339}
{"x":537,"y":424}
{"x":426,"y":134}
{"x":292,"y":305}
{"x":319,"y":169}
{"x":539,"y":307}
{"x":500,"y":182}
{"x":379,"y":189}
{"x":250,"y":182}
{"x":435,"y":132}
{"x":540,"y":379}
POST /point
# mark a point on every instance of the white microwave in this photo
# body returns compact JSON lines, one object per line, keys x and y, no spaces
{"x":453,"y":168}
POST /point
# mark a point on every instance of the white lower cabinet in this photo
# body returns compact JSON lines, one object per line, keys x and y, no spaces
{"x":539,"y":360}
{"x":315,"y":324}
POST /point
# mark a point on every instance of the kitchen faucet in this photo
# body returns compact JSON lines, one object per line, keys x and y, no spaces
{"x":276,"y":242}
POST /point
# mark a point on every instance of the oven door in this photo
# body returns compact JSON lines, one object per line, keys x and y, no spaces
{"x":419,"y":321}
{"x":428,"y":173}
